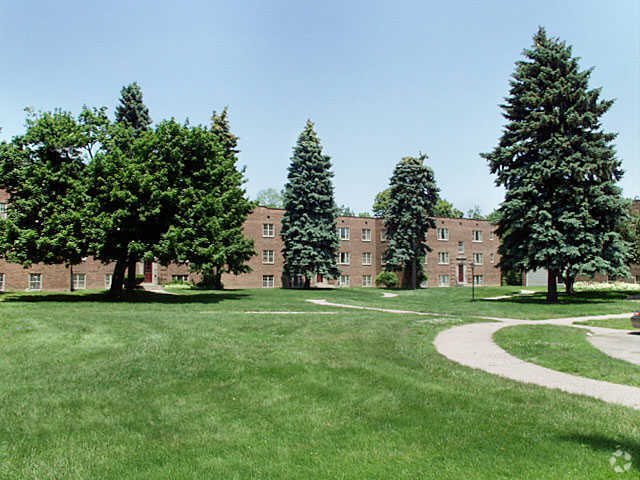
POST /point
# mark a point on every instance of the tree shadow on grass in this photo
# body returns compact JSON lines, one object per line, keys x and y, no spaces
{"x":609,"y":446}
{"x":579,"y":298}
{"x":139,"y":296}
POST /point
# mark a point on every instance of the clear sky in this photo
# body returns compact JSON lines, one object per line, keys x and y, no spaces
{"x":381,"y":79}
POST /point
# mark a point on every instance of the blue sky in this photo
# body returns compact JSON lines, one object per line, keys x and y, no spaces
{"x":381,"y":80}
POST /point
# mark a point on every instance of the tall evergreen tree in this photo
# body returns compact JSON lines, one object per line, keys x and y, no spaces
{"x":309,"y":221}
{"x":132,"y":113}
{"x":562,"y":206}
{"x":44,"y":173}
{"x":409,"y":216}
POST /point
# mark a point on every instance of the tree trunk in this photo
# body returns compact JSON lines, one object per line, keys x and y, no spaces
{"x":307,"y":282}
{"x":71,"y":278}
{"x":117,"y":278}
{"x":552,"y":286}
{"x":569,"y":280}
{"x":414,"y":274}
{"x":216,"y":281}
{"x":131,"y":275}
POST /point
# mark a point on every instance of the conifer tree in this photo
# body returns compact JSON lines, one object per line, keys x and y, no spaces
{"x":309,"y":221}
{"x":413,"y":198}
{"x":132,"y":113}
{"x":562,"y":206}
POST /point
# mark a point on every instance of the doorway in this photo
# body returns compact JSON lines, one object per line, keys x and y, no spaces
{"x":148,"y":272}
{"x":461,"y":273}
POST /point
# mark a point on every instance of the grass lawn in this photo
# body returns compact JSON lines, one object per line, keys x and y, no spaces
{"x":457,"y":301}
{"x":153,"y":388}
{"x":565,"y":349}
{"x":621,"y":323}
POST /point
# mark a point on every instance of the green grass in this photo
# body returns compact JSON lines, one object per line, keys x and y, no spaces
{"x":565,"y":349}
{"x":152,"y":388}
{"x":457,"y":301}
{"x":619,"y":323}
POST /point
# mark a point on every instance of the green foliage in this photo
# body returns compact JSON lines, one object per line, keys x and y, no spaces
{"x":344,"y":211}
{"x":132,"y":112}
{"x":475,"y":213}
{"x":364,"y":214}
{"x":271,"y":198}
{"x":387,"y":280}
{"x":410,"y":215}
{"x":381,"y":203}
{"x":44,"y":172}
{"x":140,"y":279}
{"x":446,"y":209}
{"x":630,"y":231}
{"x":562,"y":204}
{"x":309,"y":221}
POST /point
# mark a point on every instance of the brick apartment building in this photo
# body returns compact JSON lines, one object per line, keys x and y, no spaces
{"x":460,"y":246}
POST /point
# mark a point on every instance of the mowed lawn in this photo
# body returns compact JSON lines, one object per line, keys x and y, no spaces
{"x":189,"y":386}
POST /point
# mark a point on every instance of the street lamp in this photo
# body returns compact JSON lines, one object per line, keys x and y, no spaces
{"x":473,"y":282}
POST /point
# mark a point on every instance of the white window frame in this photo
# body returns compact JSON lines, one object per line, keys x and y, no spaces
{"x":426,"y":258}
{"x":268,"y":257}
{"x":382,"y":262}
{"x":77,"y":285}
{"x":443,"y":234}
{"x":367,"y":258}
{"x":442,"y":282}
{"x":3,"y":210}
{"x":478,"y":280}
{"x":367,"y":280}
{"x":268,"y":230}
{"x":491,"y":235}
{"x":478,"y":259}
{"x":460,"y":247}
{"x":38,"y":285}
{"x":268,"y":281}
{"x":441,"y":256}
{"x":344,"y":233}
{"x":477,"y":236}
{"x":344,"y":281}
{"x":183,"y":278}
{"x":3,"y":282}
{"x":344,"y":258}
{"x":383,"y":235}
{"x":366,"y":234}
{"x":108,"y":277}
{"x":492,"y":258}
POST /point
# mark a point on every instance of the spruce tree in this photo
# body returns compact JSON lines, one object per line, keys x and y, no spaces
{"x":309,"y":221}
{"x":562,"y":207}
{"x":132,"y":113}
{"x":413,"y":198}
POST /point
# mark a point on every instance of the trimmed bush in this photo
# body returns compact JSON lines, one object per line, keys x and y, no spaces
{"x":387,"y":279}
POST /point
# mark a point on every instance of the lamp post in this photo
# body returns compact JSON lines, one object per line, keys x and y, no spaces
{"x":473,"y":283}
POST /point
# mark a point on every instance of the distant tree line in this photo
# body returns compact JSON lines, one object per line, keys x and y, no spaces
{"x":124,"y":191}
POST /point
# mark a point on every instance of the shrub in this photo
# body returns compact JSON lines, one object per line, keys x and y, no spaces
{"x":387,"y":279}
{"x":139,"y":279}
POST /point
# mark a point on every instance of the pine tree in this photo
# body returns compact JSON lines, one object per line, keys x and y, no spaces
{"x":132,"y":113}
{"x":409,"y":216}
{"x":309,"y":221}
{"x":562,"y":205}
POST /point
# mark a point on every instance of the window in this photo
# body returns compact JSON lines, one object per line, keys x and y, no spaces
{"x":443,"y":280}
{"x":367,"y":281}
{"x":491,"y":235}
{"x":268,"y":230}
{"x":383,"y":235}
{"x":443,"y":258}
{"x":107,"y":280}
{"x":79,"y":281}
{"x":366,"y":258}
{"x":3,"y":210}
{"x":443,"y":234}
{"x":477,"y":235}
{"x":3,"y":283}
{"x":297,"y":281}
{"x":492,"y":258}
{"x":179,"y":278}
{"x":426,"y":258}
{"x":268,"y":256}
{"x":477,"y":279}
{"x":267,"y":281}
{"x":477,"y":258}
{"x":35,"y":281}
{"x":345,"y":280}
{"x":366,"y":235}
{"x":344,"y":258}
{"x":637,"y":278}
{"x":344,"y":233}
{"x":460,"y":247}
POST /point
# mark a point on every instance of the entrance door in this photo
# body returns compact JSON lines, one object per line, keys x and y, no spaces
{"x":148,"y":272}
{"x":319,"y":279}
{"x":460,"y":273}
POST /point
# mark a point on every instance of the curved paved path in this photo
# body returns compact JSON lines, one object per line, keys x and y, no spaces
{"x":472,"y":345}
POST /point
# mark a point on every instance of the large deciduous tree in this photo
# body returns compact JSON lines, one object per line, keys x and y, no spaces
{"x":44,"y":172}
{"x":446,"y":209}
{"x":562,"y":206}
{"x":309,"y":222}
{"x":409,"y":216}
